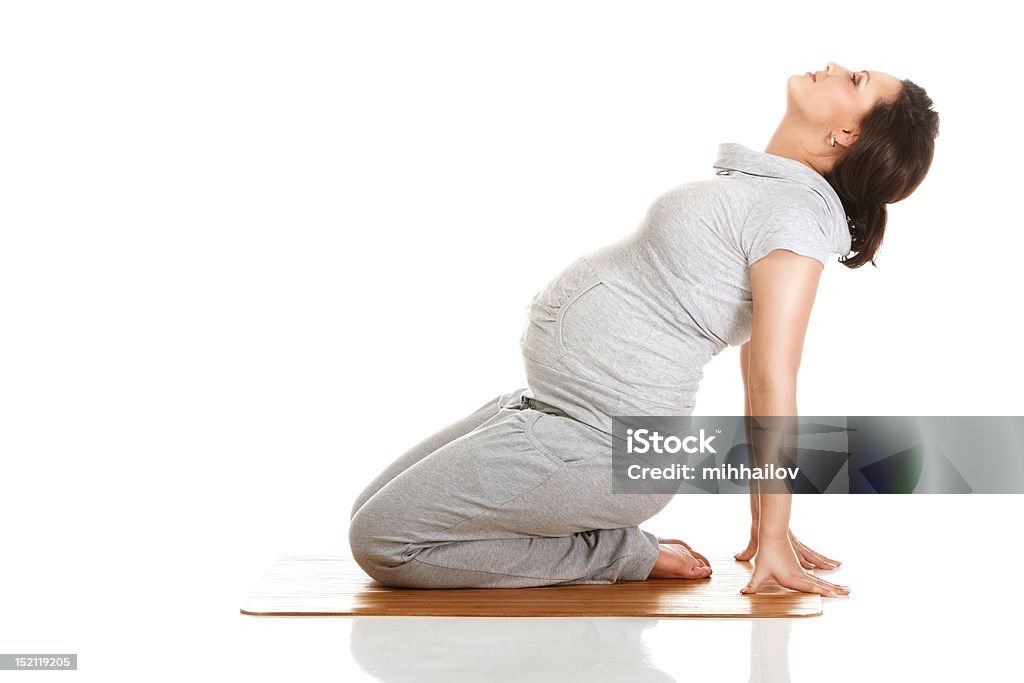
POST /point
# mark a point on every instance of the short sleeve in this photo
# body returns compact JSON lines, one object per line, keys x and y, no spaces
{"x":792,"y":228}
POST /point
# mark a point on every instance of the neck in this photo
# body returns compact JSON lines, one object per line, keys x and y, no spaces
{"x":786,"y":142}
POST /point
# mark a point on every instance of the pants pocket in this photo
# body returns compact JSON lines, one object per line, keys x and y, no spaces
{"x":565,"y":440}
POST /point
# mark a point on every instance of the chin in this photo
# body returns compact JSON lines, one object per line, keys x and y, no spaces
{"x":793,"y":85}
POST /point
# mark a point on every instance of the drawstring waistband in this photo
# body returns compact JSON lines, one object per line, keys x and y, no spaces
{"x":535,"y":404}
{"x":530,"y":402}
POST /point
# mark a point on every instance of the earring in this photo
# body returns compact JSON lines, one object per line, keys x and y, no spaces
{"x":832,"y":139}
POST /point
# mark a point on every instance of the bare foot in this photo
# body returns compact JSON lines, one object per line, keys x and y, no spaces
{"x":692,"y":551}
{"x":677,"y":561}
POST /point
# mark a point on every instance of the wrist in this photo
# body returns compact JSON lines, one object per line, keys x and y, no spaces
{"x":769,"y":538}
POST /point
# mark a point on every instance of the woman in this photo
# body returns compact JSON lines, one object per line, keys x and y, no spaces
{"x":518,"y":493}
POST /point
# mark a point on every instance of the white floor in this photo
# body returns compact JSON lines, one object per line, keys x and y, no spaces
{"x":935,"y":593}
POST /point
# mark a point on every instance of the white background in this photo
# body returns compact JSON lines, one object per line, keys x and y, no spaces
{"x":253,"y":251}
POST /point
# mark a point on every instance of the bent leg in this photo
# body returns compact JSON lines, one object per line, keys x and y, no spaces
{"x":599,"y":556}
{"x":498,"y":509}
{"x":440,"y":438}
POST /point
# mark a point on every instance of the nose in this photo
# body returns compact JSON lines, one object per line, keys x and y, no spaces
{"x":830,"y":67}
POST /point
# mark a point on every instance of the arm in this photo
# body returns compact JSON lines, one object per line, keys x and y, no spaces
{"x":809,"y":558}
{"x":755,"y":510}
{"x":783,"y":288}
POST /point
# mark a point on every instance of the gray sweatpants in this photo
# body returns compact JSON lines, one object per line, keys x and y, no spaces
{"x":516,"y":494}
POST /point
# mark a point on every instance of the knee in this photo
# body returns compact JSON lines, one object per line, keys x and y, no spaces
{"x":377,"y":555}
{"x":355,"y":507}
{"x":362,"y":541}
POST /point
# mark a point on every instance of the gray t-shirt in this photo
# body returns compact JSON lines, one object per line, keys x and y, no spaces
{"x":628,"y":328}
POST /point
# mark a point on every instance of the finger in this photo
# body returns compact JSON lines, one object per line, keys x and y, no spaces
{"x":822,"y":561}
{"x":839,"y":588}
{"x":816,"y":557}
{"x":834,"y":586}
{"x":802,"y":556}
{"x":802,"y":551}
{"x":833,"y":563}
{"x":756,"y":581}
{"x":828,"y":585}
{"x":747,"y":553}
{"x":806,"y":584}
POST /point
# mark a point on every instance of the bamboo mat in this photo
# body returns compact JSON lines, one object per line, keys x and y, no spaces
{"x":334,"y":585}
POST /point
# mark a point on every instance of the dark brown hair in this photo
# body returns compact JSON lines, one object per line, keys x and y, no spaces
{"x":885,"y":164}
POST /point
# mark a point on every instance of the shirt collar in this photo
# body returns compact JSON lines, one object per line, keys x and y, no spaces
{"x":735,"y":157}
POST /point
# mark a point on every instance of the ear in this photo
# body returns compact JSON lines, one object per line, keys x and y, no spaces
{"x":846,"y":138}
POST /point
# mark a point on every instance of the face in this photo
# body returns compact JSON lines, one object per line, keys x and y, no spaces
{"x":835,"y":99}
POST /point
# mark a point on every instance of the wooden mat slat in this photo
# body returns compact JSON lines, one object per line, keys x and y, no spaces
{"x":334,"y":585}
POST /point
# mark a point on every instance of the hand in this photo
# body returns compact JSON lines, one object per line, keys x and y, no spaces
{"x":677,"y":560}
{"x":809,"y":558}
{"x":777,"y":561}
{"x":748,"y":553}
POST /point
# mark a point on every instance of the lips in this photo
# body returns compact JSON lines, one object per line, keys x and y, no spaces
{"x":812,"y":76}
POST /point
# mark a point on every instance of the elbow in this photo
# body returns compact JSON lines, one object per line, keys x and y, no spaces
{"x":776,"y":396}
{"x":772,"y":386}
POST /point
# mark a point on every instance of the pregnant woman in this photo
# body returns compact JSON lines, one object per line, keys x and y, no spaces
{"x":519,"y":492}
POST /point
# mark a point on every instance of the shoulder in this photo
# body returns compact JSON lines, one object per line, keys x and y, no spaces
{"x":792,"y":200}
{"x":800,"y":203}
{"x":792,"y":209}
{"x":786,"y":219}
